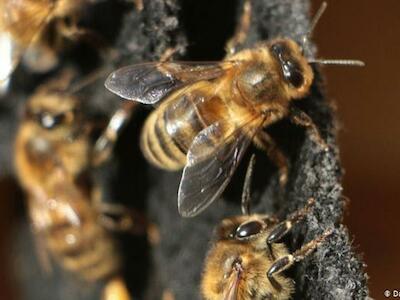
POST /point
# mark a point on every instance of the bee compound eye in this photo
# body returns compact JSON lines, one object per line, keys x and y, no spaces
{"x":50,"y":121}
{"x":292,"y":73}
{"x":279,"y":49}
{"x":248,"y":229}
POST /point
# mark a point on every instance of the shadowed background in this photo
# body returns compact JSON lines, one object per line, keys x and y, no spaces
{"x":369,"y":114}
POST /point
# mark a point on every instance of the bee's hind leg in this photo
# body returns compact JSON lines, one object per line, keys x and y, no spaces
{"x":119,"y":218}
{"x":70,"y":29}
{"x":241,"y":31}
{"x":169,"y":53}
{"x":264,"y":141}
{"x":287,"y":261}
{"x":106,"y":142}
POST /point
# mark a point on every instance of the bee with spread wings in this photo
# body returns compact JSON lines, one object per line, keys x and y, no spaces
{"x":210,"y":112}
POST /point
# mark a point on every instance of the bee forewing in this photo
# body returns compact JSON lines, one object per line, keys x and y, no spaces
{"x":143,"y":83}
{"x":149,"y":83}
{"x":211,"y":161}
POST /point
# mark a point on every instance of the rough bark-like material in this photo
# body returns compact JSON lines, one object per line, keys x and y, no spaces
{"x":333,"y":272}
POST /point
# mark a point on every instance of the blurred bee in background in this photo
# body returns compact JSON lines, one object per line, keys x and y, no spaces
{"x":37,"y":30}
{"x":247,"y":259}
{"x":211,"y":112}
{"x":39,"y":26}
{"x":53,"y":159}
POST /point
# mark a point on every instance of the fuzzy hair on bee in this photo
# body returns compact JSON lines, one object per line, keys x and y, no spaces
{"x":209,"y":113}
{"x":247,"y":257}
{"x":54,"y":156}
{"x":36,"y":31}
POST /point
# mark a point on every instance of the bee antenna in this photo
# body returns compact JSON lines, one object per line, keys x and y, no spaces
{"x":314,"y":22}
{"x":89,"y":79}
{"x":246,"y":187}
{"x":340,"y":62}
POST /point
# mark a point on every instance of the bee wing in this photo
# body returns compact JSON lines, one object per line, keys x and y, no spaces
{"x":24,"y":17}
{"x":211,"y":162}
{"x":148,"y":83}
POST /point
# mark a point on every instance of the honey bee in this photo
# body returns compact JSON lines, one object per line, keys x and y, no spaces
{"x":211,"y":112}
{"x":24,"y":25}
{"x":53,"y":157}
{"x":247,"y":258}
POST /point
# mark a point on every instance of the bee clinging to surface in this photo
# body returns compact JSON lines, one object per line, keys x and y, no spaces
{"x":211,"y":112}
{"x":247,"y":259}
{"x":53,"y":158}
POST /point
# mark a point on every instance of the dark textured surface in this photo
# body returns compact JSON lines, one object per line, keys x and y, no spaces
{"x":333,"y":272}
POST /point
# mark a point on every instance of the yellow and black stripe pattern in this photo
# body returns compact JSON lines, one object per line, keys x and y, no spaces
{"x":72,"y":235}
{"x":170,"y":129}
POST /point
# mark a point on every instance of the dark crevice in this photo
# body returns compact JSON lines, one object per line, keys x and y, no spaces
{"x":207,"y":26}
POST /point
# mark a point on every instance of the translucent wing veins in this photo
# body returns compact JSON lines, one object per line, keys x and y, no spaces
{"x":148,"y":83}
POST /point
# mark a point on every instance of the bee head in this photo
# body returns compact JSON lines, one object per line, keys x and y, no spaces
{"x":243,"y":228}
{"x":293,"y":67}
{"x":52,"y":112}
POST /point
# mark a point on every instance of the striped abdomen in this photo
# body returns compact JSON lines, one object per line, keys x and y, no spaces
{"x":69,"y":229}
{"x":170,"y":129}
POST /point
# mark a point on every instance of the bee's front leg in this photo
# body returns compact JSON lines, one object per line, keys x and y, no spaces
{"x":119,"y":218}
{"x":264,"y":141}
{"x":106,"y":142}
{"x":281,"y":229}
{"x":287,"y":261}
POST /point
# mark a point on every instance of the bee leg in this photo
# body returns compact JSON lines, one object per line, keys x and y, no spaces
{"x":168,"y":295}
{"x":282,"y":228}
{"x":119,"y":218}
{"x":246,"y":194}
{"x":241,"y":30}
{"x":287,"y":261}
{"x":271,"y":220}
{"x":105,"y":143}
{"x":115,"y":288}
{"x":266,"y":143}
{"x":73,"y":32}
{"x":69,"y":28}
{"x":300,"y":118}
{"x":153,"y":234}
{"x":138,"y":5}
{"x":170,"y":52}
